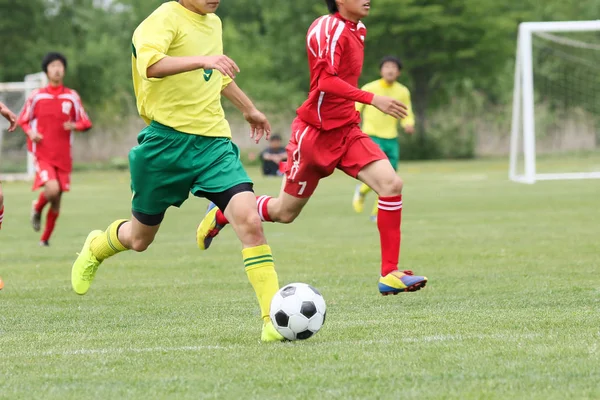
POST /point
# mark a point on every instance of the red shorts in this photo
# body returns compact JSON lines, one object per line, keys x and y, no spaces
{"x":45,"y":172}
{"x":314,"y":154}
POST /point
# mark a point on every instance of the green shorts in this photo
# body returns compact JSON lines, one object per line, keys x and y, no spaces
{"x":391,"y":149}
{"x":167,"y":165}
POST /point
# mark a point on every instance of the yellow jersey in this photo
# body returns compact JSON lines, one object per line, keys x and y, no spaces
{"x":376,"y":123}
{"x":189,"y":102}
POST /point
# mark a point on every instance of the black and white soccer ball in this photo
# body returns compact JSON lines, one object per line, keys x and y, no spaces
{"x":298,"y":311}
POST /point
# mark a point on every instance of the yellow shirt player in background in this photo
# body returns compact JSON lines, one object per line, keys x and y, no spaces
{"x":179,"y":74}
{"x":383,"y":128}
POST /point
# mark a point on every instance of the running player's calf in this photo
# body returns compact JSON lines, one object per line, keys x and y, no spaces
{"x":383,"y":179}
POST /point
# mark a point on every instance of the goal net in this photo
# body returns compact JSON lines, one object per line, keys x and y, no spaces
{"x":15,"y":162}
{"x":556,"y":104}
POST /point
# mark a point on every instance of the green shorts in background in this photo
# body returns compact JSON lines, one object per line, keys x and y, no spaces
{"x":167,"y":165}
{"x":390,"y":147}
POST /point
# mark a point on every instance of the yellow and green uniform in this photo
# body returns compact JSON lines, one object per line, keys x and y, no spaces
{"x":381,"y":127}
{"x":187,"y":145}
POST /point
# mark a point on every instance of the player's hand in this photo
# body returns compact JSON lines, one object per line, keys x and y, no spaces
{"x":10,"y":117}
{"x":222,"y":63}
{"x":390,"y":106}
{"x":259,"y":125}
{"x":410,"y":129}
{"x":69,"y":126}
{"x":35,"y":137}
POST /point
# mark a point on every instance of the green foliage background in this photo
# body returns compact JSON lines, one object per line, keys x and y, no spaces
{"x":455,"y":52}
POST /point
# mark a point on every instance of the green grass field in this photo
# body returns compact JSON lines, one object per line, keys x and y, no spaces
{"x":512,"y":308}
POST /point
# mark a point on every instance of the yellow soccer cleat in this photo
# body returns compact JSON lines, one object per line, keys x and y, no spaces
{"x":358,"y":201}
{"x":85,"y":267}
{"x":398,"y":282}
{"x":270,"y":334}
{"x":208,"y":228}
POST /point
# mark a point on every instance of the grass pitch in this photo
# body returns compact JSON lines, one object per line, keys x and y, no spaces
{"x":512,"y":308}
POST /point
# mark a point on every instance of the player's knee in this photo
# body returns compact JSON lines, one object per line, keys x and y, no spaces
{"x":252,"y":230}
{"x":140,"y":244}
{"x":392,"y":187}
{"x":52,"y":194}
{"x":1,"y":199}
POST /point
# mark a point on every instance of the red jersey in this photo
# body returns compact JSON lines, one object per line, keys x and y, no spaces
{"x":45,"y":112}
{"x":335,"y":48}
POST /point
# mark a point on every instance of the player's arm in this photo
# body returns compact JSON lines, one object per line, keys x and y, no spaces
{"x":259,"y":125}
{"x":408,"y":123}
{"x":82,"y":122}
{"x":9,"y":116}
{"x":330,"y":82}
{"x":151,"y":42}
{"x":25,"y":118}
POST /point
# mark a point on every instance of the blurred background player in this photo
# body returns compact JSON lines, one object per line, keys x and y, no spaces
{"x":49,"y":117}
{"x":187,"y":145}
{"x":12,"y":120}
{"x":383,"y":128}
{"x":326,"y":136}
{"x":272,"y":157}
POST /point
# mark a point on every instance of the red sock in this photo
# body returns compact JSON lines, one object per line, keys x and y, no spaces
{"x":1,"y":216}
{"x":50,"y":222}
{"x":388,"y":222}
{"x":41,"y":203}
{"x":263,"y":211}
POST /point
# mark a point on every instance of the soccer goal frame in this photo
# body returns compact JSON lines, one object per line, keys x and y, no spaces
{"x":29,"y":84}
{"x":523,"y":123}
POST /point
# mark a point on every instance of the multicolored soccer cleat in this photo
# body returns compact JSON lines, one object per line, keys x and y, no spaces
{"x":358,"y":201}
{"x":36,"y":218}
{"x":401,"y":281}
{"x":208,"y":228}
{"x":270,"y":334}
{"x":85,"y":266}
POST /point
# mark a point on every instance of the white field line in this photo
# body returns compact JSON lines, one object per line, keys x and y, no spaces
{"x":160,"y":349}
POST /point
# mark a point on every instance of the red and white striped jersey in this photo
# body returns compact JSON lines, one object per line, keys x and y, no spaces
{"x":335,"y":48}
{"x":45,"y":112}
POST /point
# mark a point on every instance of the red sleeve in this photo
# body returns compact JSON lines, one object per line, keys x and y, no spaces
{"x":26,"y":115}
{"x":328,"y":61}
{"x":82,"y":121}
{"x":338,"y":87}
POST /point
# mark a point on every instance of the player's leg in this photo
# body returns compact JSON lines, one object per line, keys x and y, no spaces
{"x":1,"y":205}
{"x":120,"y":235}
{"x":239,"y":204}
{"x":154,"y":191}
{"x":44,"y":172}
{"x":391,"y":150}
{"x":222,"y":179}
{"x":365,"y":161}
{"x":53,"y":194}
{"x":304,"y":170}
{"x":362,"y":189}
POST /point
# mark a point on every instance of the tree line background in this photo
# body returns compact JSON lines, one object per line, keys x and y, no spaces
{"x":458,"y":57}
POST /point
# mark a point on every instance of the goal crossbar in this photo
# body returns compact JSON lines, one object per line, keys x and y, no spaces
{"x":523,"y":102}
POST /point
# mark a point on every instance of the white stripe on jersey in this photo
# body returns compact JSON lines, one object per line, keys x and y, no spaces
{"x":75,"y":100}
{"x":37,"y":97}
{"x":336,"y":36}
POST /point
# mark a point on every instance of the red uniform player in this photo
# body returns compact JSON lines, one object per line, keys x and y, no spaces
{"x":49,"y":118}
{"x":326,"y":135}
{"x":12,"y":121}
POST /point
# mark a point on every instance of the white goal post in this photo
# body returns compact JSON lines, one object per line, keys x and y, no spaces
{"x":523,"y":119}
{"x":29,"y":84}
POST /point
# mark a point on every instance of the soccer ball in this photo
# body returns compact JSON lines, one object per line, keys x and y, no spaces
{"x":298,"y":311}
